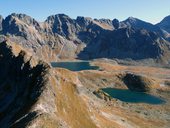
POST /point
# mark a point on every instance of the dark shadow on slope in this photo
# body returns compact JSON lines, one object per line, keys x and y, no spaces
{"x":20,"y":84}
{"x":123,"y":43}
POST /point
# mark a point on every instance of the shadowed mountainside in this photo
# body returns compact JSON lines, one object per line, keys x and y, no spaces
{"x":21,"y":85}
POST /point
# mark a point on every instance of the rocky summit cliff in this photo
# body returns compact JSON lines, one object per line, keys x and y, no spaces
{"x":60,"y":36}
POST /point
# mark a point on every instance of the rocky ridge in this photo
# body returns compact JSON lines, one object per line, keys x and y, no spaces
{"x":23,"y":80}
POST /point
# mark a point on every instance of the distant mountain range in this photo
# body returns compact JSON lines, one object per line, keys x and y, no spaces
{"x":59,"y":36}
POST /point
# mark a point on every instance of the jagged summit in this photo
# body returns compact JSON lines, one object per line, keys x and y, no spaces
{"x":22,"y":17}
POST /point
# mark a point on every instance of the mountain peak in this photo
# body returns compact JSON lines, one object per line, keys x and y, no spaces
{"x":22,"y":17}
{"x":132,"y":19}
{"x":165,"y":24}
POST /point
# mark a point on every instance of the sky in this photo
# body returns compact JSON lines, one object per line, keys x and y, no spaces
{"x":148,"y":10}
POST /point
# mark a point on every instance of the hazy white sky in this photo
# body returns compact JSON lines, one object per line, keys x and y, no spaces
{"x":149,"y":10}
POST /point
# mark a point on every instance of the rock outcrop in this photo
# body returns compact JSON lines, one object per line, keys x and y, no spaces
{"x":138,"y":83}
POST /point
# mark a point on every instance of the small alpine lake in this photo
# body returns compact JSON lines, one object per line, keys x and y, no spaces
{"x":126,"y":95}
{"x":74,"y":66}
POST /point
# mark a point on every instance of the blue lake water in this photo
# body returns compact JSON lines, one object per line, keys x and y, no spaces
{"x":133,"y":97}
{"x":74,"y":66}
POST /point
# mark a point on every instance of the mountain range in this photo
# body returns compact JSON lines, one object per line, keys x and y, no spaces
{"x":34,"y":94}
{"x":87,"y":38}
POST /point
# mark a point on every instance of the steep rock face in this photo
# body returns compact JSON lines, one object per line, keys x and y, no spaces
{"x":63,"y":25}
{"x":138,"y":83}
